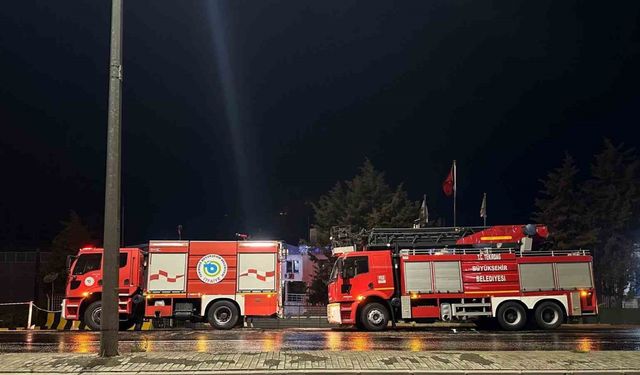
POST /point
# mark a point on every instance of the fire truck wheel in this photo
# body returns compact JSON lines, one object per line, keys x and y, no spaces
{"x":223,"y":315}
{"x":374,"y":317}
{"x":92,"y":315}
{"x":512,"y":316}
{"x":549,"y":315}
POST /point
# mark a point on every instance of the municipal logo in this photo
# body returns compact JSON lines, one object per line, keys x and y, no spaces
{"x":89,"y":281}
{"x":212,"y":268}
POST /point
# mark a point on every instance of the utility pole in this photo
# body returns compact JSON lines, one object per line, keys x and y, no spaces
{"x":109,"y":320}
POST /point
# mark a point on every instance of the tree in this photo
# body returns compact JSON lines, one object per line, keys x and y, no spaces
{"x":321,"y":271}
{"x":561,"y":207}
{"x":72,"y":237}
{"x":364,"y":202}
{"x":600,"y":215}
{"x":613,"y":195}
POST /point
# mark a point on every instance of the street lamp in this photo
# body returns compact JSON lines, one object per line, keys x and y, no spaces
{"x":109,"y":320}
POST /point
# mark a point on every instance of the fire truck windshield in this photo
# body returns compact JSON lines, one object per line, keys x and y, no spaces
{"x":87,"y":263}
{"x":91,"y":262}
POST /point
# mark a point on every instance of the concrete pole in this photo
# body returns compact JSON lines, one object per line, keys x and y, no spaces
{"x":109,"y":320}
{"x":30,"y":316}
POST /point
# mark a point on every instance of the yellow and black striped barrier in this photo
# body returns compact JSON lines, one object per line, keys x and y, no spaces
{"x":55,"y":321}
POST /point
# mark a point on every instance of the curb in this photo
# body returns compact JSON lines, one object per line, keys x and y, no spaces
{"x":55,"y":321}
{"x":363,"y":372}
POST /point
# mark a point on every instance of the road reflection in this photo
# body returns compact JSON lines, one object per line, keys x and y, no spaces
{"x":334,"y":340}
{"x":416,"y":344}
{"x":358,"y":343}
{"x":585,"y":344}
{"x":81,"y":342}
{"x":272,"y":342}
{"x":202,"y":344}
{"x":211,"y":341}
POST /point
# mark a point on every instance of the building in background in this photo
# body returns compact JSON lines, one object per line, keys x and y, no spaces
{"x":20,"y":275}
{"x":297,"y":273}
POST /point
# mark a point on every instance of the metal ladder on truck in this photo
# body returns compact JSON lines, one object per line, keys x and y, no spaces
{"x":418,"y":237}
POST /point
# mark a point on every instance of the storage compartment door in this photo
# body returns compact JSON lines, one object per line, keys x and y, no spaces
{"x":574,"y":275}
{"x":256,"y":272}
{"x":536,"y":276}
{"x":260,"y":304}
{"x":417,"y":277}
{"x":447,"y":277}
{"x":167,"y":272}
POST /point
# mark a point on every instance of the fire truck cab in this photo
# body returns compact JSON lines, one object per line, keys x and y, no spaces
{"x":481,"y":274}
{"x":83,"y":297}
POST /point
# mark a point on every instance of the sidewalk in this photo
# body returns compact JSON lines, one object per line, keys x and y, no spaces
{"x":321,"y":362}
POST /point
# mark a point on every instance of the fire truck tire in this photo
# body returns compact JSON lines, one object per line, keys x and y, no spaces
{"x":549,"y":315}
{"x":92,"y":315}
{"x":374,"y":317}
{"x":512,"y":316}
{"x":223,"y":315}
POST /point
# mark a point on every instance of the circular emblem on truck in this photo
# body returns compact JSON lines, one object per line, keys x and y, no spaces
{"x":89,"y":281}
{"x":212,"y":268}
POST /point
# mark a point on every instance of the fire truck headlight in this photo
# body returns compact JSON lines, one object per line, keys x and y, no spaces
{"x":360,"y":298}
{"x":86,"y":294}
{"x":414,"y":296}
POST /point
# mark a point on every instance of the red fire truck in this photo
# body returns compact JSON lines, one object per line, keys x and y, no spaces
{"x":493,"y":274}
{"x":215,"y":281}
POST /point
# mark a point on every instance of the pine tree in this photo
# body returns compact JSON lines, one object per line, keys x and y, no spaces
{"x":364,"y":202}
{"x":320,"y":279}
{"x":601,"y":215}
{"x":561,"y":207}
{"x":613,"y":195}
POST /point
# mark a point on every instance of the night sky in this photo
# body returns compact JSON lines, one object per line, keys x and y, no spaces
{"x":236,"y":111}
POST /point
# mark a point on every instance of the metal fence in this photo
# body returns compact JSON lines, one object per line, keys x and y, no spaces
{"x":297,"y":315}
{"x":296,"y":298}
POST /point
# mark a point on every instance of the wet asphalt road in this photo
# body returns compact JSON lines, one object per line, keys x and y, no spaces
{"x":252,"y":340}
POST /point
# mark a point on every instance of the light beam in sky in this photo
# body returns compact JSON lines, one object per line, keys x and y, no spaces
{"x":221,"y":39}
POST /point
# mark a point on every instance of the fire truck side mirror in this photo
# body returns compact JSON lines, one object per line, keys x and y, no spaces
{"x":68,"y":263}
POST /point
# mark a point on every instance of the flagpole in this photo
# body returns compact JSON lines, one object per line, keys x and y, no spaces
{"x":426,"y":209}
{"x":484,"y":217}
{"x":455,"y":188}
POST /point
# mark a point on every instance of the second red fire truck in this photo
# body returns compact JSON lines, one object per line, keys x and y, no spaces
{"x":215,"y":281}
{"x":485,"y":274}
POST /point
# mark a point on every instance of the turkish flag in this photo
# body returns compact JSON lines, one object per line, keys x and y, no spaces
{"x":448,"y":186}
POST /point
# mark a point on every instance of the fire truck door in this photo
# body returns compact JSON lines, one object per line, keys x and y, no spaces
{"x":124,"y":265}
